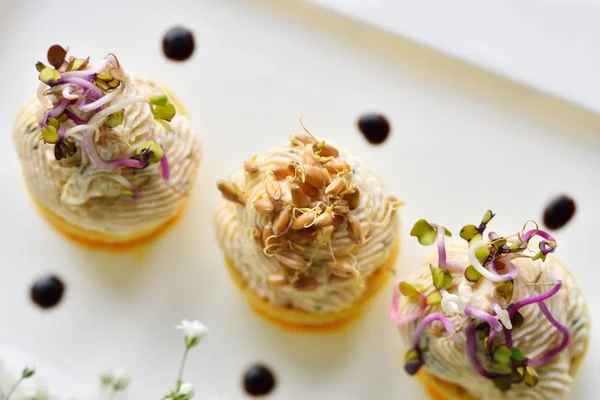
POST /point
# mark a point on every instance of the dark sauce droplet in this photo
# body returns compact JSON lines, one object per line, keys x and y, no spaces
{"x":375,"y":127}
{"x":178,"y":43}
{"x":47,"y":291}
{"x":258,"y":380}
{"x":559,"y":211}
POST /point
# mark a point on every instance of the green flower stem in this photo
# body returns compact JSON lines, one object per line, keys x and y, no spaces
{"x":181,"y":368}
{"x":14,"y":387}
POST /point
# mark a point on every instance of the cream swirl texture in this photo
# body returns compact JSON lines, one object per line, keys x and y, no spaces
{"x":91,"y":198}
{"x":307,"y":237}
{"x":447,"y":358}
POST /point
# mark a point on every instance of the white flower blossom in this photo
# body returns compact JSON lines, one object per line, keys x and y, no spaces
{"x":193,"y":331}
{"x":451,"y":303}
{"x":186,"y":391}
{"x":120,"y":378}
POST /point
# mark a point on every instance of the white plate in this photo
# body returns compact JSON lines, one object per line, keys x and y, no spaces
{"x":53,"y":375}
{"x":550,"y":45}
{"x":258,"y":66}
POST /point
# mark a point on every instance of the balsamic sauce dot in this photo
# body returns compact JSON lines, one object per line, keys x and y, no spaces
{"x":258,"y":380}
{"x":375,"y":127}
{"x":47,"y":291}
{"x":178,"y":43}
{"x":559,"y":211}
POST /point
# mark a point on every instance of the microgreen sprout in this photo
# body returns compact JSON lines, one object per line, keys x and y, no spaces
{"x":414,"y":358}
{"x":27,"y":373}
{"x":407,"y":290}
{"x":490,"y":259}
{"x":89,"y":100}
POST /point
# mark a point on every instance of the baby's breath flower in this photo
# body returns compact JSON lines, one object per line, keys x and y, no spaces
{"x":185,"y":392}
{"x":193,"y":332}
{"x":28,"y":371}
{"x":121,"y":379}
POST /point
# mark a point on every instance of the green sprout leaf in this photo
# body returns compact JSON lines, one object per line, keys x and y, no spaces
{"x":517,"y":355}
{"x":164,"y":124}
{"x":156,"y":151}
{"x":472,"y":275}
{"x":412,"y":355}
{"x":56,"y":56}
{"x":437,"y":275}
{"x":508,"y":291}
{"x":441,"y":278}
{"x":127,"y":193}
{"x":530,"y":376}
{"x":50,"y":134}
{"x":106,"y":77}
{"x":102,"y":85}
{"x":78,"y":63}
{"x":165,"y":112}
{"x":447,"y":280}
{"x":115,"y":119}
{"x":407,"y":289}
{"x":412,"y":362}
{"x":64,"y":149}
{"x":159,"y":100}
{"x":424,"y":232}
{"x":498,"y":243}
{"x":482,"y":253}
{"x":53,"y":122}
{"x":502,"y":369}
{"x":40,"y":66}
{"x":503,"y":355}
{"x":475,"y":239}
{"x":502,"y":384}
{"x":505,"y":290}
{"x":487,"y":217}
{"x":434,"y":298}
{"x":468,"y":232}
{"x":49,"y":75}
{"x":516,"y":376}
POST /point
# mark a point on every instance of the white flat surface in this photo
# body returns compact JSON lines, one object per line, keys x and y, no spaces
{"x":258,"y":66}
{"x":551,"y":45}
{"x":57,"y":375}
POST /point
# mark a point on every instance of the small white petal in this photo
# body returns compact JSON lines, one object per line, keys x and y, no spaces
{"x":192,"y":330}
{"x":187,"y":389}
{"x":452,"y":304}
{"x":503,"y":317}
{"x":120,"y":378}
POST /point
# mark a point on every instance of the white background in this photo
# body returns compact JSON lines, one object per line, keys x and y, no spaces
{"x":550,"y":45}
{"x":463,"y":141}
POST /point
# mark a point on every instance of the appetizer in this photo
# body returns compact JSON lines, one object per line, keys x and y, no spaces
{"x":307,"y":233}
{"x":108,"y":157}
{"x":491,"y":317}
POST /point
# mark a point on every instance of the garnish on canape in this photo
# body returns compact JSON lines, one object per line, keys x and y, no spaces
{"x":493,"y":318}
{"x":108,"y":157}
{"x":307,"y":232}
